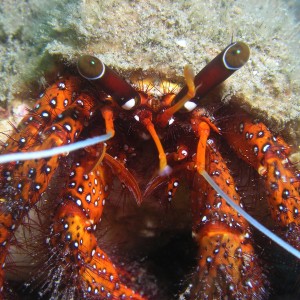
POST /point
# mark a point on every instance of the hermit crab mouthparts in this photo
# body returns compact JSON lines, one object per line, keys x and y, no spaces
{"x":98,"y":73}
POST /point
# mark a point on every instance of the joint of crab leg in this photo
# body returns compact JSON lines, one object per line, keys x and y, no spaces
{"x":211,"y":124}
{"x":95,"y":70}
{"x":107,"y":115}
{"x":203,"y":130}
{"x":22,"y":156}
{"x":189,"y":76}
{"x":232,"y":58}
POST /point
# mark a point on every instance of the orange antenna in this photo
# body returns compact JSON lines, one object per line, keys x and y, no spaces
{"x":189,"y":76}
{"x":163,"y":167}
{"x":145,"y":118}
{"x":107,"y":115}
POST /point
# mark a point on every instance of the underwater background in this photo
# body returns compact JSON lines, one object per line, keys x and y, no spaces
{"x":39,"y":37}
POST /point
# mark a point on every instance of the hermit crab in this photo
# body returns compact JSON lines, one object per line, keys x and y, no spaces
{"x":91,"y":129}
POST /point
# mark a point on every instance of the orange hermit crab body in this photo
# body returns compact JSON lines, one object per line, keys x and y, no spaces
{"x":102,"y":107}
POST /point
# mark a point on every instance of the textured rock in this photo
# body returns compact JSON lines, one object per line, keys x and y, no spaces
{"x":159,"y":36}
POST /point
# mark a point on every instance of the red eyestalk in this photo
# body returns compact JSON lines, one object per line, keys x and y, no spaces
{"x":232,"y":58}
{"x":94,"y":69}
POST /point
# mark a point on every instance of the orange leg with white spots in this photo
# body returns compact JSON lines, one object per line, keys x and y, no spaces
{"x":22,"y":183}
{"x":227,"y":265}
{"x":56,"y":99}
{"x":269,"y":156}
{"x":72,"y":240}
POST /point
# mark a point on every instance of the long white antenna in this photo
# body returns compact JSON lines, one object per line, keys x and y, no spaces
{"x":21,"y":156}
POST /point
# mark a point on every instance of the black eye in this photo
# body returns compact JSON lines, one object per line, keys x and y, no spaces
{"x":90,"y":67}
{"x":236,"y":55}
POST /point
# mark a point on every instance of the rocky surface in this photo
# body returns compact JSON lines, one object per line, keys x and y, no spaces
{"x":161,"y":37}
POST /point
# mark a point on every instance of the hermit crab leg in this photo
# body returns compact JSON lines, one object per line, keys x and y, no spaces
{"x":72,"y":237}
{"x":64,"y":129}
{"x":203,"y":132}
{"x":251,"y":220}
{"x":52,"y":104}
{"x":228,"y":265}
{"x":254,"y":143}
{"x":23,"y":183}
{"x":56,"y":99}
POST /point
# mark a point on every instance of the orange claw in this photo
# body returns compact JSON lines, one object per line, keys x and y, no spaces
{"x":30,"y":179}
{"x":107,"y":284}
{"x":124,"y":176}
{"x":56,"y":99}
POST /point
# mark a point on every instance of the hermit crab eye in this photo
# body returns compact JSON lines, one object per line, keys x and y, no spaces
{"x":232,"y":58}
{"x":236,"y":55}
{"x":90,"y":67}
{"x":107,"y":80}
